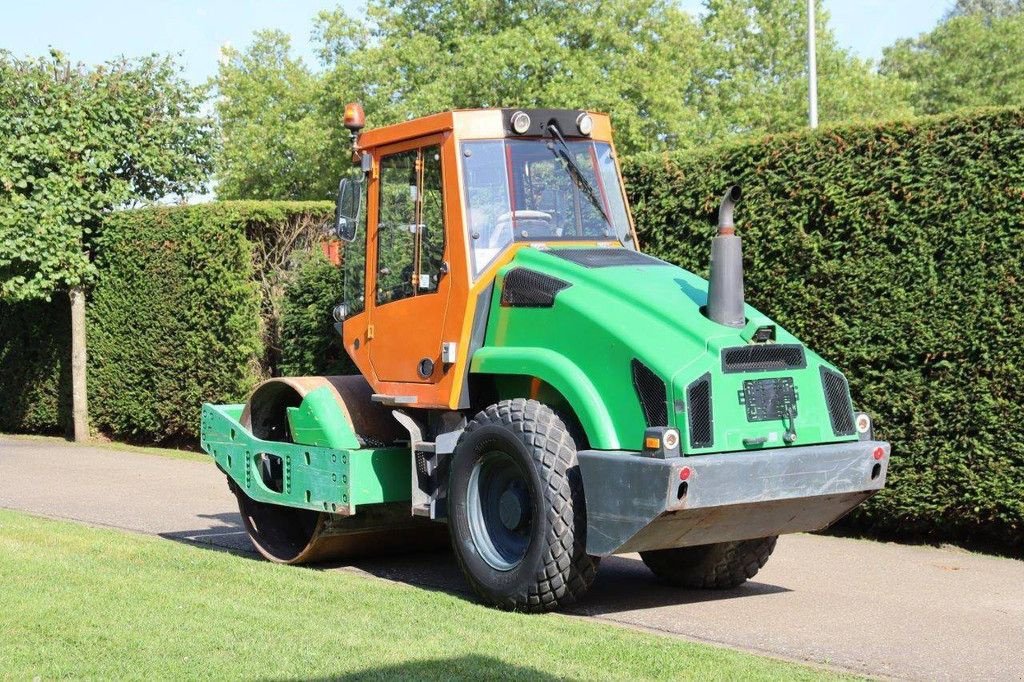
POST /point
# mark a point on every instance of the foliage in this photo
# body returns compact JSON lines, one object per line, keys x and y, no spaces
{"x":973,"y":58}
{"x":668,"y":79}
{"x":988,"y":8}
{"x":752,"y":74}
{"x":278,"y":143}
{"x":280,"y":232}
{"x":174,"y":320}
{"x":35,"y":366}
{"x":186,"y":309}
{"x":897,"y":251}
{"x":133,"y":606}
{"x":310,"y":343}
{"x":79,"y":142}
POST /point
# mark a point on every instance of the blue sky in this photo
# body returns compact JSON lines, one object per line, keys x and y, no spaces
{"x":101,"y":29}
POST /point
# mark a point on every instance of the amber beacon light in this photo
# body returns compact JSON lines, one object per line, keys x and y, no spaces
{"x":355,"y":119}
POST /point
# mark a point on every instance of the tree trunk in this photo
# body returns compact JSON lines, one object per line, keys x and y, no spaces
{"x":79,"y":401}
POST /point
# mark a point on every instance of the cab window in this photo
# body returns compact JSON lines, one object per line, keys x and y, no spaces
{"x":540,"y":190}
{"x":410,"y":228}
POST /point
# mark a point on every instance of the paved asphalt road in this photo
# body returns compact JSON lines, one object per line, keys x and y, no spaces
{"x":872,"y":608}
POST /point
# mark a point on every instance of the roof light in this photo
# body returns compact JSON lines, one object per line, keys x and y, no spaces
{"x":355,"y":119}
{"x":520,"y":122}
{"x":585,"y":124}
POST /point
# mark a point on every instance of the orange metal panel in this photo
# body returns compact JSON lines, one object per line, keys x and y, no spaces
{"x":406,"y":130}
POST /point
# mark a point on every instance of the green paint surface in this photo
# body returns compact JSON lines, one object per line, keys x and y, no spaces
{"x":583,"y":347}
{"x":317,"y":477}
{"x":318,"y":421}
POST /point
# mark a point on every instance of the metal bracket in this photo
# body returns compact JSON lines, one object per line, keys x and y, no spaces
{"x":423,"y":468}
{"x":429,"y":461}
{"x":393,"y":399}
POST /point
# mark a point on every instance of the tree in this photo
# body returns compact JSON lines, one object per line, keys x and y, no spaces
{"x":78,"y":143}
{"x":973,"y":58}
{"x":991,"y":9}
{"x":667,"y":79}
{"x":409,"y":58}
{"x":277,"y":140}
{"x":753,"y":71}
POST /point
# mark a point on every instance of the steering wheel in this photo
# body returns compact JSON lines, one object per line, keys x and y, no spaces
{"x":533,"y":223}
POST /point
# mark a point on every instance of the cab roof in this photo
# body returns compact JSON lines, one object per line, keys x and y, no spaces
{"x":487,"y":124}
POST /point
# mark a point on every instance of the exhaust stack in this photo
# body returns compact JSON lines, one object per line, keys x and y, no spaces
{"x":725,"y":288}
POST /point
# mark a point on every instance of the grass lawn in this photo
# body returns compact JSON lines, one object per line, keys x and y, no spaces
{"x":86,"y":602}
{"x":113,"y":445}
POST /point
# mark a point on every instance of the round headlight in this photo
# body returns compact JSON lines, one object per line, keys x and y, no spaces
{"x":670,"y":439}
{"x":520,"y":122}
{"x":585,"y":124}
{"x":863,"y":423}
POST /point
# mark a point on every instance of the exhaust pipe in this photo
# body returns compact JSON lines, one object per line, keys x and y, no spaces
{"x":725,"y":288}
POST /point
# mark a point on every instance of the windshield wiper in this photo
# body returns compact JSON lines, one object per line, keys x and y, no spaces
{"x":578,"y":177}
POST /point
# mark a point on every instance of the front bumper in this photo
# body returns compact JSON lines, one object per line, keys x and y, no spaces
{"x":637,"y":503}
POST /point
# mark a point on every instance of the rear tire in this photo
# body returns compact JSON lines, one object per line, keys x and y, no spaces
{"x":516,"y":509}
{"x":720,"y":566}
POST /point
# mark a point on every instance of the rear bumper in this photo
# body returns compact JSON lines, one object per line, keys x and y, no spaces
{"x":637,"y":503}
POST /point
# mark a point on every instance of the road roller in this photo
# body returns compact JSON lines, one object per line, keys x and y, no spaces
{"x":533,"y":389}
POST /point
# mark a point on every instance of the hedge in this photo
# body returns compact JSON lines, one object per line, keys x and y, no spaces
{"x":895,"y":250}
{"x":310,"y":344}
{"x":35,"y":366}
{"x":187,"y":310}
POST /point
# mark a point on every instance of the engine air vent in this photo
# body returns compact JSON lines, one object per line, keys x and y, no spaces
{"x":763,"y":358}
{"x":524,"y":288}
{"x":650,"y":390}
{"x":606,"y":257}
{"x":698,"y":405}
{"x":837,"y":398}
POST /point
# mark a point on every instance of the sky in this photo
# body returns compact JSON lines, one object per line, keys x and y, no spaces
{"x":94,"y":31}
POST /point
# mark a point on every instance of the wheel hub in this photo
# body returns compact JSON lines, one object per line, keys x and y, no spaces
{"x":510,"y":509}
{"x":498,"y":506}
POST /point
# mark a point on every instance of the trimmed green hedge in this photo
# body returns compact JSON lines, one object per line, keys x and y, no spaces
{"x":186,"y":310}
{"x":897,"y":252}
{"x":173,"y":320}
{"x":310,"y":345}
{"x":35,"y":366}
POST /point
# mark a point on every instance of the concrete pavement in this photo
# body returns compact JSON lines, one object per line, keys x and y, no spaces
{"x":872,"y":608}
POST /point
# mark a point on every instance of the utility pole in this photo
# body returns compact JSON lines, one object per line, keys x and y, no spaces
{"x":812,"y":68}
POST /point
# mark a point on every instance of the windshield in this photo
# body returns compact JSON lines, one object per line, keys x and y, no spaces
{"x":527,"y":190}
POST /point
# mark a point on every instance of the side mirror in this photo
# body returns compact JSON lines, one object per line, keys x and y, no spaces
{"x":348,"y":208}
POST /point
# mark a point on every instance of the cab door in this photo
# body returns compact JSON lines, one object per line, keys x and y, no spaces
{"x":408,"y":291}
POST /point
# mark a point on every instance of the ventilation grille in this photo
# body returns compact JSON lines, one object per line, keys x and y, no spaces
{"x":650,"y":390}
{"x":606,"y":258}
{"x":837,"y":398}
{"x":763,"y":358}
{"x":698,"y":405}
{"x":529,"y":289}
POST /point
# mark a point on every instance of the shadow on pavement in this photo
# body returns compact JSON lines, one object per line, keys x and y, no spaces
{"x":623,"y":582}
{"x":225,"y":533}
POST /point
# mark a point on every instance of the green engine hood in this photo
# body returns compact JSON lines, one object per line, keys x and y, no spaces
{"x":582,"y":326}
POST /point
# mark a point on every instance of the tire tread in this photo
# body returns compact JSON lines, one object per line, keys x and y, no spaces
{"x":567,"y":571}
{"x":720,"y":566}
